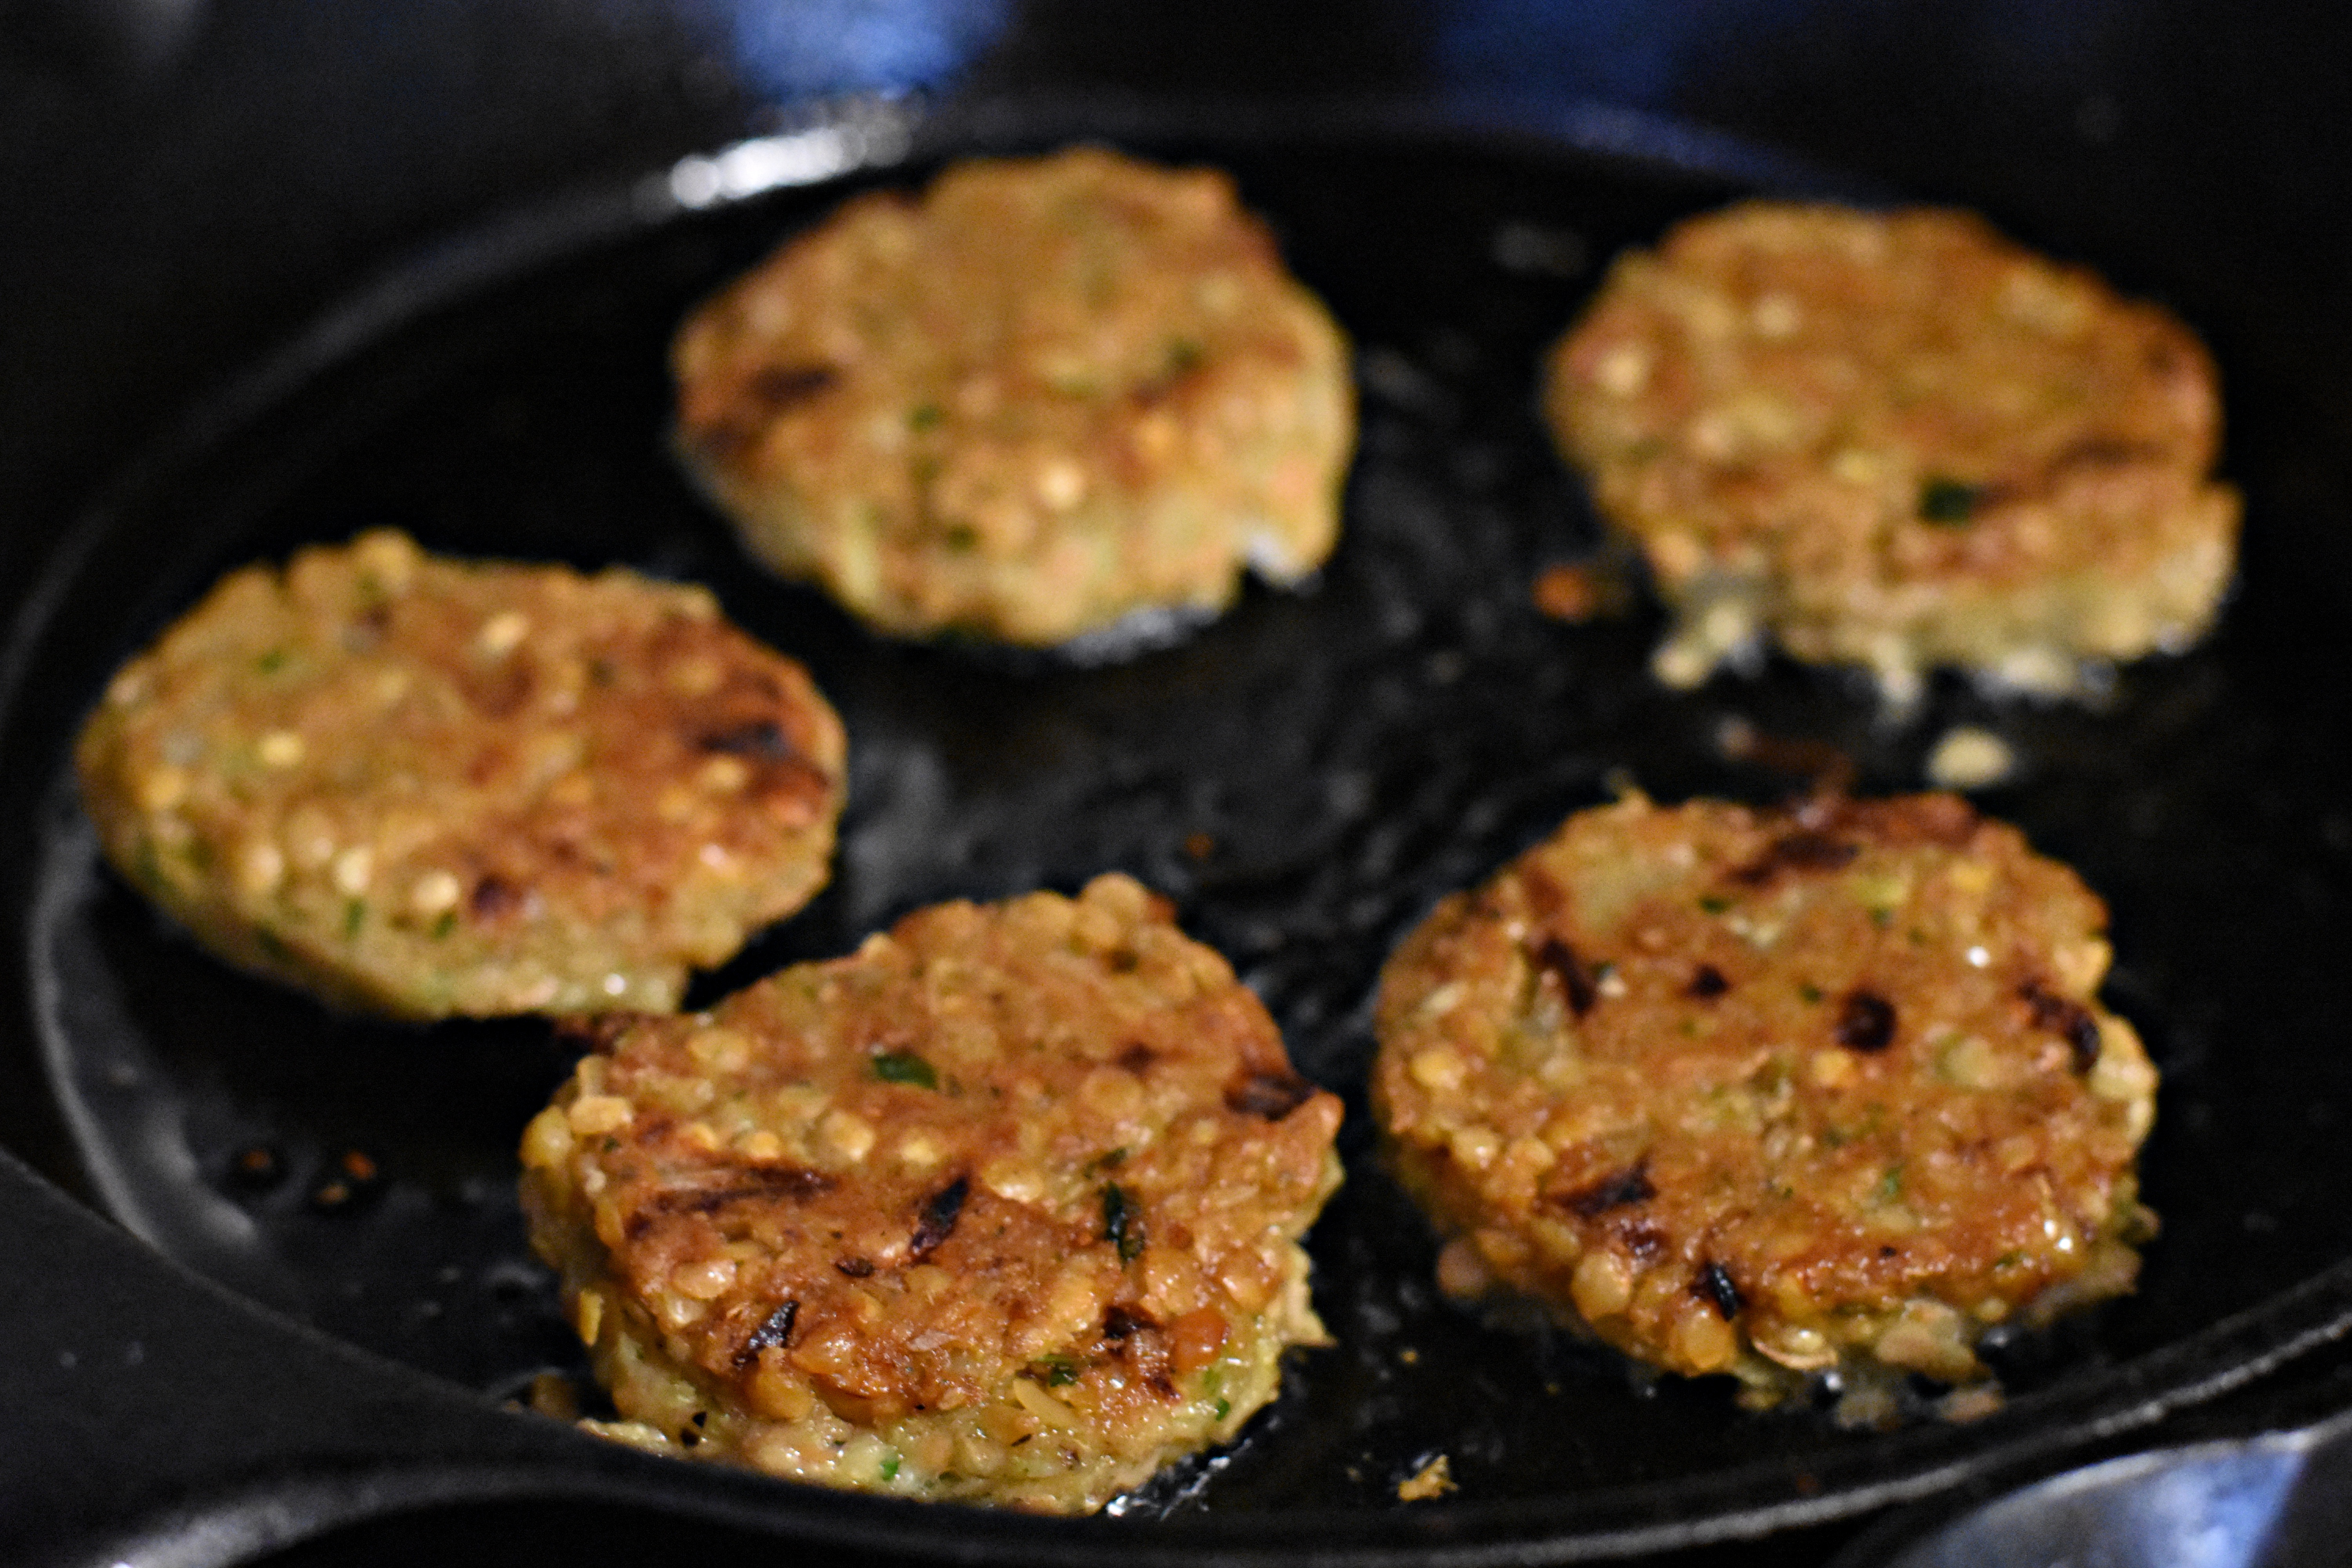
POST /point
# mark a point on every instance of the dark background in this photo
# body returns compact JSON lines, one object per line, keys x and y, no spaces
{"x":182,"y":185}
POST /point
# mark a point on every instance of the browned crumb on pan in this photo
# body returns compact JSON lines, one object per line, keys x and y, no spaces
{"x":1047,"y":397}
{"x":1772,"y":1093}
{"x":1003,"y":1208}
{"x":1897,"y":440}
{"x":425,"y":787}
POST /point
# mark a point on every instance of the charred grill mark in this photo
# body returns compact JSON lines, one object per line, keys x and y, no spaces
{"x":1577,"y":985}
{"x":1715,"y":1286}
{"x":492,"y":897}
{"x":760,"y":740}
{"x":1865,"y":1021}
{"x":2068,"y":1019}
{"x":777,"y":387}
{"x":855,"y":1268}
{"x":1803,"y":850}
{"x":1269,"y":1095}
{"x":762,"y":1182}
{"x":937,"y":1221}
{"x":1706,"y":983}
{"x":1620,"y":1189}
{"x":774,"y":1333}
{"x":1122,"y":1321}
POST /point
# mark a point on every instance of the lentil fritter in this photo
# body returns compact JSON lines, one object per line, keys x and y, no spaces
{"x":428,"y":787}
{"x":1053,"y":397}
{"x":1897,"y":440}
{"x":1004,"y":1207}
{"x":1822,"y":1091}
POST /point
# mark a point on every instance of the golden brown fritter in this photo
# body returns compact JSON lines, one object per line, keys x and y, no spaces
{"x":1897,"y":440}
{"x":1004,"y":1207}
{"x":1773,"y":1092}
{"x":427,"y":787}
{"x":1050,"y":396}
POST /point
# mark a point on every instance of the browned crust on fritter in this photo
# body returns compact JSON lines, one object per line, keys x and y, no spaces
{"x":1926,"y":444}
{"x":1050,"y":1143}
{"x":1048,"y":394}
{"x":427,"y":787}
{"x":1770,"y":1093}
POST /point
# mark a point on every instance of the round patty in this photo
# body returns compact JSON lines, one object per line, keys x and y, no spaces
{"x":1004,"y":1207}
{"x":427,"y":787}
{"x":1049,"y":396}
{"x":1773,"y":1093}
{"x":1897,"y":440}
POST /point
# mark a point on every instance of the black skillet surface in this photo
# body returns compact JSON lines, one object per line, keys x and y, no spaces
{"x":1303,"y":778}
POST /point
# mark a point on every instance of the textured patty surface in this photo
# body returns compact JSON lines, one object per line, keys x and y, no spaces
{"x":427,"y":787}
{"x":1048,"y":396}
{"x":1004,"y":1207}
{"x":1773,"y":1092}
{"x":1897,"y":440}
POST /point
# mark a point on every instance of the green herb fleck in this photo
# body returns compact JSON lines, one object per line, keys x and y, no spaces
{"x":904,"y":1067}
{"x":445,"y":924}
{"x":1122,"y":1223}
{"x":1949,"y":503}
{"x":1224,"y":1408}
{"x":1882,"y":918}
{"x":1184,"y":356}
{"x":890,"y":1468}
{"x":1890,"y":1183}
{"x":354,"y":916}
{"x":1713,"y":903}
{"x":1060,"y":1372}
{"x":273,"y":661}
{"x":1809,"y":991}
{"x":925,"y":416}
{"x":2009,"y":1260}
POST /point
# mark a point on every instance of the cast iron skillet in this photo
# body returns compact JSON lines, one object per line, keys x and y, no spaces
{"x":1303,"y":778}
